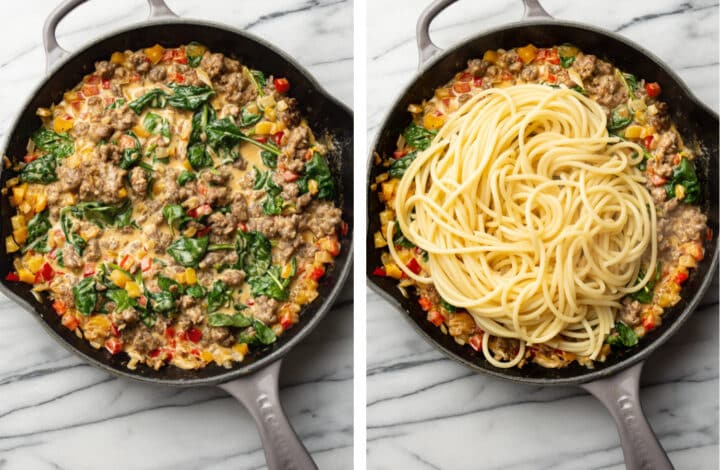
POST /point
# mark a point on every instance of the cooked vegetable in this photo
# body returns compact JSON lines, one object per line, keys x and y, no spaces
{"x":85,"y":295}
{"x":645,"y":295}
{"x":218,"y":297}
{"x":272,"y":283}
{"x":58,"y":145}
{"x":685,"y":176}
{"x":131,"y":155}
{"x":273,"y":202}
{"x":188,"y":251}
{"x":623,"y":336}
{"x":317,"y":169}
{"x":40,"y":170}
{"x":620,"y":118}
{"x":398,"y":167}
{"x":156,"y":124}
{"x":236,"y":320}
{"x":418,"y":137}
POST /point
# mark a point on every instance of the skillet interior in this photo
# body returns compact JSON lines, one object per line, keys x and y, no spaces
{"x":325,"y":116}
{"x":695,"y":122}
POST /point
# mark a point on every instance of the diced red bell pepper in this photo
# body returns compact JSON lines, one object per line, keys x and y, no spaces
{"x":648,"y":323}
{"x":89,"y":90}
{"x":47,"y":272}
{"x":435,"y":317}
{"x":414,"y":266}
{"x":169,"y":332}
{"x":114,"y":345}
{"x":477,"y":82}
{"x":647,"y":141}
{"x":317,"y":273}
{"x":178,"y":78}
{"x":195,"y":351}
{"x":681,"y":277}
{"x":60,"y":307}
{"x":475,"y":341}
{"x":69,"y":321}
{"x":334,"y":248}
{"x":125,"y":262}
{"x":461,"y":87}
{"x":425,"y":303}
{"x":146,"y":264}
{"x":76,"y":105}
{"x":194,"y":335}
{"x":657,"y":180}
{"x":548,"y":55}
{"x":652,"y":89}
{"x":105,"y":84}
{"x":92,"y":79}
{"x":290,"y":176}
{"x":12,"y":276}
{"x":30,"y":158}
{"x":182,"y":336}
{"x":277,"y":137}
{"x":203,"y":231}
{"x":282,"y":85}
{"x":380,"y":271}
{"x":155,"y":353}
{"x":89,"y":270}
{"x":286,"y":320}
{"x":399,"y":153}
{"x":114,"y":329}
{"x":175,"y":55}
{"x":200,"y":211}
{"x":243,"y":226}
{"x":465,"y":77}
{"x":694,"y":249}
{"x":142,"y":301}
{"x":249,"y":302}
{"x":551,"y":78}
{"x":261,"y":138}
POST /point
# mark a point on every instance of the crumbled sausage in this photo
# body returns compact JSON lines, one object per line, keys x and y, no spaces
{"x":139,"y":180}
{"x":232,"y":277}
{"x":157,"y":74}
{"x":212,"y":64}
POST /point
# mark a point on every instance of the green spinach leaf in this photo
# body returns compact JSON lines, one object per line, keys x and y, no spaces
{"x":156,"y":124}
{"x":623,"y":336}
{"x":188,"y":251}
{"x":620,"y":118}
{"x":218,"y":297}
{"x":155,"y":98}
{"x":318,"y":169}
{"x":189,"y":96}
{"x":684,"y":174}
{"x":418,"y":137}
{"x":185,"y":177}
{"x":236,"y":320}
{"x":40,"y":170}
{"x":247,"y":119}
{"x":398,"y":167}
{"x":85,"y":295}
{"x":269,"y":159}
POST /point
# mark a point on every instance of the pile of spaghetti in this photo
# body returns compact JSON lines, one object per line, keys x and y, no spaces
{"x":534,"y":218}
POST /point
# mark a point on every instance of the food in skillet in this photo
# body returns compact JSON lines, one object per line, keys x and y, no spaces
{"x":175,"y":206}
{"x":543,"y":206}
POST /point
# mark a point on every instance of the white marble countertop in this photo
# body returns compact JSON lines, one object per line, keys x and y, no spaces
{"x":56,"y":412}
{"x":427,"y":412}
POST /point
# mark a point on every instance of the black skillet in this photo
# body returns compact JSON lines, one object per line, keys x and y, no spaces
{"x":253,"y":382}
{"x":615,"y":382}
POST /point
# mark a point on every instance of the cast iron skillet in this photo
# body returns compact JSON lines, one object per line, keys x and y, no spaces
{"x":255,"y":381}
{"x":615,"y":382}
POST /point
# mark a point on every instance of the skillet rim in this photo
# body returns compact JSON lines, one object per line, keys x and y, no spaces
{"x":588,"y":375}
{"x":317,"y":313}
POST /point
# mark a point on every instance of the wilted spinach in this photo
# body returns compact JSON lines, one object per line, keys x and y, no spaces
{"x":188,"y":251}
{"x":685,"y":175}
{"x":398,"y":167}
{"x":85,"y":295}
{"x":317,"y":169}
{"x":156,"y":124}
{"x":623,"y":336}
{"x":418,"y":137}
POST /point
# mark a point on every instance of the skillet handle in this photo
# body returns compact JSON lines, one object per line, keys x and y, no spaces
{"x":259,"y":393}
{"x":621,"y":396}
{"x":53,"y":51}
{"x":427,"y":49}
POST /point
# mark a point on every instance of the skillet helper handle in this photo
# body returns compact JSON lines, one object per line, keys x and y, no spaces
{"x":621,"y":396}
{"x":53,"y":51}
{"x":427,"y":49}
{"x":259,"y":393}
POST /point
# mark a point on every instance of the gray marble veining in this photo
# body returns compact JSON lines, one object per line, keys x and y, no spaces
{"x":57,"y":412}
{"x":426,"y":412}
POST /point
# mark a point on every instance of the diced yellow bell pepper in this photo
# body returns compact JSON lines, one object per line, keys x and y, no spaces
{"x":122,"y":193}
{"x":140,"y":131}
{"x":26,"y":276}
{"x":679,"y":192}
{"x":20,"y":234}
{"x":190,"y":276}
{"x":25,"y":207}
{"x":286,"y":271}
{"x":241,"y":348}
{"x":490,"y":56}
{"x":119,"y":278}
{"x":527,"y":54}
{"x":379,"y":240}
{"x":313,"y":187}
{"x":388,"y":189}
{"x":270,"y":114}
{"x":117,"y":58}
{"x":633,"y":132}
{"x":432,"y":121}
{"x":266,"y":101}
{"x":40,"y":202}
{"x":187,"y":165}
{"x":19,"y":194}
{"x":180,"y":277}
{"x":568,"y":51}
{"x":206,"y":356}
{"x":63,"y":123}
{"x":155,"y":53}
{"x":263,"y":128}
{"x":17,"y":221}
{"x":133,"y":289}
{"x":323,"y":257}
{"x":70,"y":96}
{"x":34,"y":262}
{"x":392,"y":270}
{"x":442,"y":93}
{"x":10,"y":245}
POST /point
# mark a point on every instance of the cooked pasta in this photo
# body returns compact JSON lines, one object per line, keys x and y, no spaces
{"x":534,"y":218}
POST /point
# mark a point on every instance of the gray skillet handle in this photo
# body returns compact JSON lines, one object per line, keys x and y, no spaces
{"x":53,"y":51}
{"x":620,"y":394}
{"x":259,"y":393}
{"x":427,"y":49}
